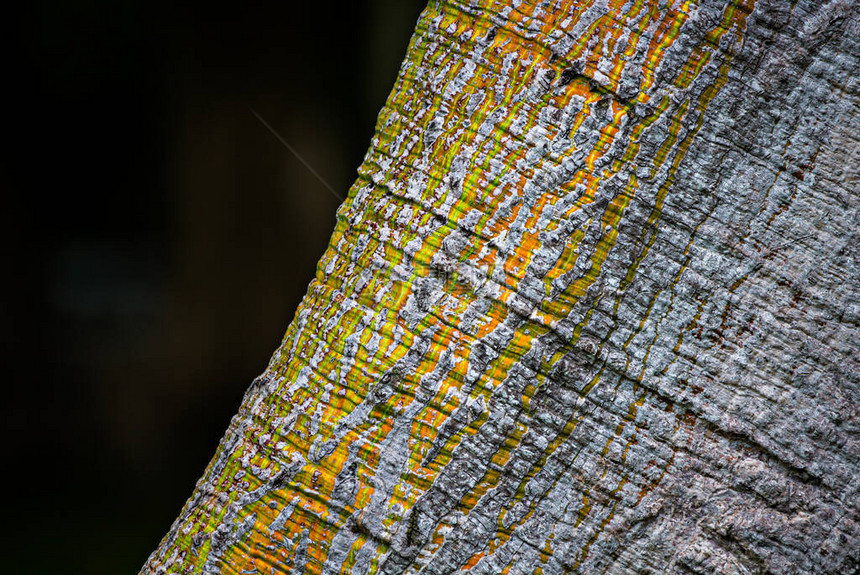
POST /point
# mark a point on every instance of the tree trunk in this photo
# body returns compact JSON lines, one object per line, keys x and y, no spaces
{"x":591,"y":306}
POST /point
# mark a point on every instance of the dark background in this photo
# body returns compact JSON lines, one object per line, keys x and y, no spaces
{"x":158,"y":243}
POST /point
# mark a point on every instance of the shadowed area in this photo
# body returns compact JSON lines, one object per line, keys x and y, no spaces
{"x":161,"y":244}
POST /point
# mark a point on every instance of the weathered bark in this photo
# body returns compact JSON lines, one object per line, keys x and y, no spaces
{"x":591,"y":306}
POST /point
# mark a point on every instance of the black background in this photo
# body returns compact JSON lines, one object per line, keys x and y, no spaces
{"x":158,"y":243}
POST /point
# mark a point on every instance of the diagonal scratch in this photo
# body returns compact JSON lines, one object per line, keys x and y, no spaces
{"x":296,"y":154}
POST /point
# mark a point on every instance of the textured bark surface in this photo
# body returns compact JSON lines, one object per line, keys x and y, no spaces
{"x":592,"y":306}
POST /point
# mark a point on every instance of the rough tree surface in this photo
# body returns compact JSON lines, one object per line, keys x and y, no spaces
{"x":592,"y":306}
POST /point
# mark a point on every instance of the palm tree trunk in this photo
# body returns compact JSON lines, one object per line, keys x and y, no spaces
{"x":591,"y":306}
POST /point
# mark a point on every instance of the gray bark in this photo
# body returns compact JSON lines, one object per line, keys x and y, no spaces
{"x":681,"y":396}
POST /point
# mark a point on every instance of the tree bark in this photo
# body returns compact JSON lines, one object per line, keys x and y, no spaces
{"x":592,"y":306}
